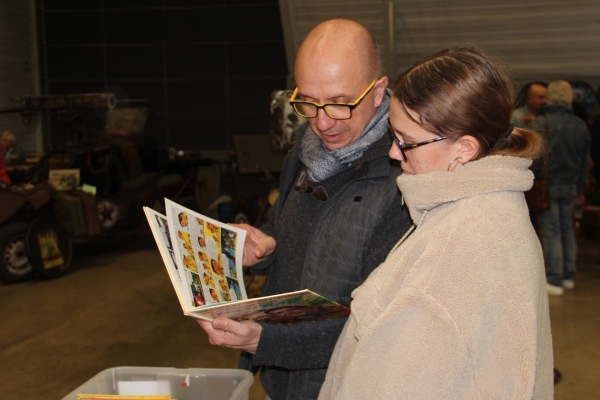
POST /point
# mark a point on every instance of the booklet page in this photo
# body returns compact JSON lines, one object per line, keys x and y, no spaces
{"x":161,"y":232}
{"x":210,"y":254}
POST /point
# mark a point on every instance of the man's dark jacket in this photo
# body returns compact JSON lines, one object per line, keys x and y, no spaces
{"x":343,"y":240}
{"x":569,"y":145}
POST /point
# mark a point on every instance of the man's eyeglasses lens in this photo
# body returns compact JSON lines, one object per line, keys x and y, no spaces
{"x":309,"y":110}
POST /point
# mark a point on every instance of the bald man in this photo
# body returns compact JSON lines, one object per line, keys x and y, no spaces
{"x":537,"y":96}
{"x":338,"y":215}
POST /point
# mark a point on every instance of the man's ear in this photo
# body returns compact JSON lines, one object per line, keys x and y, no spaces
{"x":379,"y":89}
{"x":468,"y":148}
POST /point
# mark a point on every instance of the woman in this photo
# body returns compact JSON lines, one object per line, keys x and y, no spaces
{"x":459,"y":308}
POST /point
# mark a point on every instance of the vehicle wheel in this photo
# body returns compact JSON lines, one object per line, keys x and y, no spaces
{"x":49,"y":248}
{"x":108,"y":213}
{"x":14,"y":263}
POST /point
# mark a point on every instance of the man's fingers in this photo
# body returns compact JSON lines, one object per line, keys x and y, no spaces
{"x":218,"y":324}
{"x":265,"y":248}
{"x":204,"y":324}
{"x":259,"y":252}
{"x":229,"y":333}
{"x":223,"y":324}
{"x":269,"y":249}
{"x":241,"y":226}
{"x":215,"y":331}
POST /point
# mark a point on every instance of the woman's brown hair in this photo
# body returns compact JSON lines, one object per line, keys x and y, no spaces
{"x":463,"y":91}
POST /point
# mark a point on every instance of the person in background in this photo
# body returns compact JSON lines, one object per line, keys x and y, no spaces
{"x":338,"y":214}
{"x":10,"y":149}
{"x":594,"y":128}
{"x":529,"y":100}
{"x":536,"y":97}
{"x":459,"y":308}
{"x":595,"y":155}
{"x":567,"y":176}
{"x":4,"y":178}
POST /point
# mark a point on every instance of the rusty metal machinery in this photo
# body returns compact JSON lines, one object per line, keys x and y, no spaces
{"x":71,"y":101}
{"x":85,"y":101}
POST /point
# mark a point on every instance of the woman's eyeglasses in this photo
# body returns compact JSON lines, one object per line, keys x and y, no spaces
{"x":408,"y":146}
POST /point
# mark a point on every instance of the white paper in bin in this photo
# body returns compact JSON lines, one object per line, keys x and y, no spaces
{"x":204,"y":383}
{"x":144,"y":388}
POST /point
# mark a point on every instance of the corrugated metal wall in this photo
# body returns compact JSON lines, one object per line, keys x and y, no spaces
{"x":539,"y":39}
{"x":19,"y":69}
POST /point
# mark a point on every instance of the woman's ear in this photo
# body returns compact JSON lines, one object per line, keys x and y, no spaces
{"x":468,"y":148}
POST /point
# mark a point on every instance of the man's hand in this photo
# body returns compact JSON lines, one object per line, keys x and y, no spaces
{"x":257,"y":246}
{"x":226,"y":332}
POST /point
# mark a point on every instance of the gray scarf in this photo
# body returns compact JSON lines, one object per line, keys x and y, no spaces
{"x":322,"y":163}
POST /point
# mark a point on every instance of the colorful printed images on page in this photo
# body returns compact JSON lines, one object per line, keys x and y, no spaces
{"x":208,"y":254}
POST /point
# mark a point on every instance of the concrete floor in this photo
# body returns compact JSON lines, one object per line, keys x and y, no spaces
{"x":116,"y":307}
{"x":575,"y":319}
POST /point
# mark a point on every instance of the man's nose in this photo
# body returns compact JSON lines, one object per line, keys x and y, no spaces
{"x":324,"y":121}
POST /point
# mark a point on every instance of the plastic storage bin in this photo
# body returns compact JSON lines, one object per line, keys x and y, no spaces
{"x":203,"y":383}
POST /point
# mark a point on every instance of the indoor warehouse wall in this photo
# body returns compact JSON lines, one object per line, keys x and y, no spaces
{"x":19,"y":70}
{"x":207,"y":66}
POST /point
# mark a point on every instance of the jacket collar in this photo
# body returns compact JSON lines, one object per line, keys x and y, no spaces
{"x":425,"y":192}
{"x":554,"y":108}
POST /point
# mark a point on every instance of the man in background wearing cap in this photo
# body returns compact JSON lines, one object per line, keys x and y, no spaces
{"x":567,"y":176}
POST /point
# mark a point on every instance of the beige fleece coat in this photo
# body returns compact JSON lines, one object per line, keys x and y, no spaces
{"x":459,"y":310}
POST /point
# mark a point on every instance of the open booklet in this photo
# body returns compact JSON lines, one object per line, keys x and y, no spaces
{"x":204,"y":260}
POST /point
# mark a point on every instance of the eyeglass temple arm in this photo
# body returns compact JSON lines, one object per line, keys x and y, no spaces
{"x":294,"y":94}
{"x":355,"y":103}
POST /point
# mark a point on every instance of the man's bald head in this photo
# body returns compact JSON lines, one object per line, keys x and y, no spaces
{"x":341,"y":43}
{"x":339,"y":63}
{"x":537,"y":96}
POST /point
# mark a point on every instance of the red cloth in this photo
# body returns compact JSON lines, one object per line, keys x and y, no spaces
{"x":3,"y":175}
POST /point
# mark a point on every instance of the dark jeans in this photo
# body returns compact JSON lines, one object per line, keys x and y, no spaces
{"x":560,"y":246}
